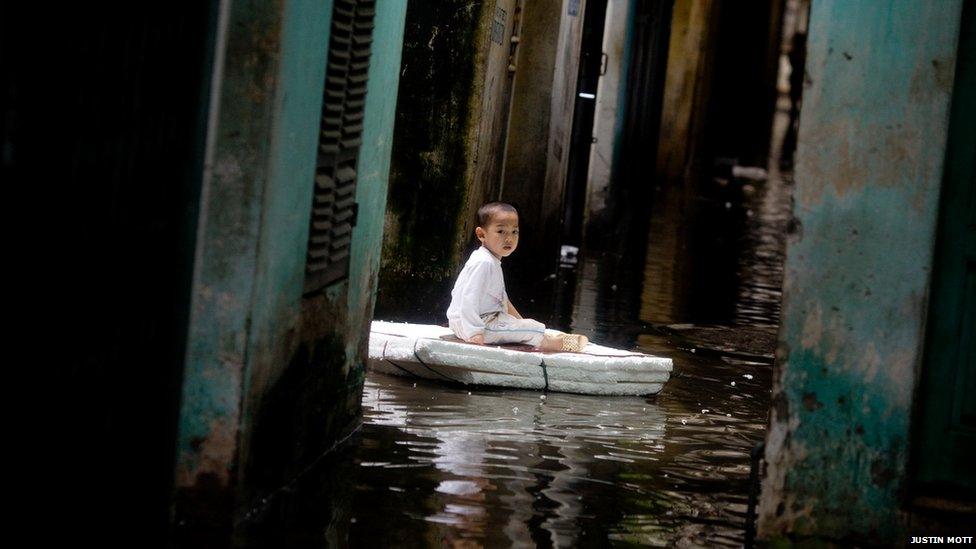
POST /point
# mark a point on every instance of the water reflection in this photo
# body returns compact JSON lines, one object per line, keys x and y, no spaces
{"x":513,"y":458}
{"x":514,"y":468}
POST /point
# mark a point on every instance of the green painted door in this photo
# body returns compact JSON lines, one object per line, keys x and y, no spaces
{"x":945,"y":438}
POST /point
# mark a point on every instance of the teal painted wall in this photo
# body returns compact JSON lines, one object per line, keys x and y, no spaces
{"x":374,"y":166}
{"x":869,"y":167}
{"x":287,"y":198}
{"x":286,"y":202}
{"x":273,"y":377}
{"x":307,"y":363}
{"x":235,"y":173}
{"x":250,"y":253}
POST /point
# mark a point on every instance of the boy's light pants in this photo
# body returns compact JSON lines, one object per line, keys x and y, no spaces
{"x":504,"y":328}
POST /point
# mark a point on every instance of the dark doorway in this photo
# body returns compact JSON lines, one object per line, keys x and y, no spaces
{"x":644,"y":92}
{"x":590,"y":69}
{"x":633,"y":178}
{"x":742,"y":98}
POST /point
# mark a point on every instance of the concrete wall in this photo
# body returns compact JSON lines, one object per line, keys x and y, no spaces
{"x":491,"y":113}
{"x":284,"y":202}
{"x":273,"y":377}
{"x":462,"y":117}
{"x":447,"y":148}
{"x":686,"y":84}
{"x":610,"y":104}
{"x":742,"y":91}
{"x":720,"y":87}
{"x":561,"y":108}
{"x":871,"y":147}
{"x":524,"y":177}
{"x":237,"y":167}
{"x":541,"y":120}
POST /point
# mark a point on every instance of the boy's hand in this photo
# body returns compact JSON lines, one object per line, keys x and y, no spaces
{"x":478,"y":339}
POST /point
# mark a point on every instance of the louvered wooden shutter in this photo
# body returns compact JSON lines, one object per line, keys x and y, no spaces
{"x":334,"y":207}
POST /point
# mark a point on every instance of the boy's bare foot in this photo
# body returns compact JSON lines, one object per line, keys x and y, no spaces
{"x":564,"y":342}
{"x":574,"y":342}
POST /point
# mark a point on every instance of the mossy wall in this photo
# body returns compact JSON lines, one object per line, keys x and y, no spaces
{"x":451,"y":112}
{"x":431,"y":148}
{"x":274,"y":376}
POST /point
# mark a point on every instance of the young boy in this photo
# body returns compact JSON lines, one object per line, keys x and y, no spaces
{"x":480,"y":311}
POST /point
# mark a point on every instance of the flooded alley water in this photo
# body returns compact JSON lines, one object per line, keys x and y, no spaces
{"x":501,"y":467}
{"x":435,"y":464}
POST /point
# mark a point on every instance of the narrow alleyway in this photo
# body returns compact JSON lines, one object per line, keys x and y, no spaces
{"x":778,"y":196}
{"x":691,"y":268}
{"x":649,"y":470}
{"x":437,"y":463}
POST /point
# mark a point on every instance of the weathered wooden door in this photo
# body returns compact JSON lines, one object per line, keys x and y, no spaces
{"x":945,"y":449}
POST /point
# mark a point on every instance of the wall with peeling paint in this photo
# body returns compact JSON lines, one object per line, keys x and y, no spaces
{"x":448,"y":138}
{"x":374,"y":169}
{"x":276,"y":328}
{"x":235,"y":175}
{"x":869,"y":167}
{"x":273,"y":377}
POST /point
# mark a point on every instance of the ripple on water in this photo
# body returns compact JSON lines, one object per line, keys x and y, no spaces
{"x":557,"y":467}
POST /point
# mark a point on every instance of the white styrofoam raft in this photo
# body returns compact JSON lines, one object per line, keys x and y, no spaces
{"x":432,"y":352}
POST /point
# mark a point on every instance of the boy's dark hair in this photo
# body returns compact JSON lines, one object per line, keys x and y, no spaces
{"x":491,"y":209}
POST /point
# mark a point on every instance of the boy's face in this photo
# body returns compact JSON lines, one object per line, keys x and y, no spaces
{"x":501,"y":235}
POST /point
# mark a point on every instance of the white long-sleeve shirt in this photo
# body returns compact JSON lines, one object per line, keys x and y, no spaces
{"x":479,"y":290}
